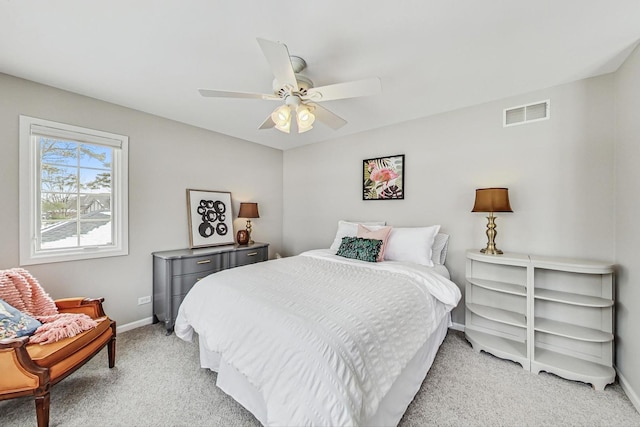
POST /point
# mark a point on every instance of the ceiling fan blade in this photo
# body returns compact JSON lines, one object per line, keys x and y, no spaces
{"x":278,"y":57}
{"x":225,"y":94}
{"x":268,"y":123}
{"x":330,"y":119}
{"x":353,"y":89}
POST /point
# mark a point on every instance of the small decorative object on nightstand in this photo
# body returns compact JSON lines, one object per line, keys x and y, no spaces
{"x":248,"y":211}
{"x":492,"y":200}
{"x":242,"y":237}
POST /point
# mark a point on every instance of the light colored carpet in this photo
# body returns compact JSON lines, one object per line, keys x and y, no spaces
{"x":158,"y":381}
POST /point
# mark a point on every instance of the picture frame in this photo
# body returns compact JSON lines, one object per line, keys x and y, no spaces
{"x":210,"y":218}
{"x":383,"y":178}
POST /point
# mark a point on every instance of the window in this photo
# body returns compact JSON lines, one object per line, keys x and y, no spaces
{"x":73,"y":192}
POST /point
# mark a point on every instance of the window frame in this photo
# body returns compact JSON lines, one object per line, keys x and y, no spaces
{"x":30,"y":188}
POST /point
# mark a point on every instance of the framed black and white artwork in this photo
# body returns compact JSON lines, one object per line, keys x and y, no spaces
{"x":210,"y":218}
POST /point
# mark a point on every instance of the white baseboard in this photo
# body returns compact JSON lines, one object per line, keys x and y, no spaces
{"x":134,"y":325}
{"x":631,"y":394}
{"x":457,"y":326}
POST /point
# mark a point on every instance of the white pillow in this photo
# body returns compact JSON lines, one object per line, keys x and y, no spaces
{"x":439,"y":248}
{"x":412,"y":244}
{"x":350,"y":229}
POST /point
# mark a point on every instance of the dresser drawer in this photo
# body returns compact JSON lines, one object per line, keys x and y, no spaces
{"x":180,"y":285}
{"x":248,"y":256}
{"x":199,"y":264}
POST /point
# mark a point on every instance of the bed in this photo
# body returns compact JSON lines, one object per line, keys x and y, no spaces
{"x":320,"y":339}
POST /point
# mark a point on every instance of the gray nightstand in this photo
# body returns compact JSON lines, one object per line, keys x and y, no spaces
{"x":175,"y":273}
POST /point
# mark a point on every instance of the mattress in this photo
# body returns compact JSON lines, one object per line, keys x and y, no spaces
{"x":320,"y":339}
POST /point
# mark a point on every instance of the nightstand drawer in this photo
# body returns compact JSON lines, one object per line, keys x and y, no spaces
{"x":180,"y":285}
{"x":211,"y":262}
{"x":248,"y":256}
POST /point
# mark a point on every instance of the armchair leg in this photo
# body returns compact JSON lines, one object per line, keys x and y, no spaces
{"x":111,"y":347}
{"x":42,"y":409}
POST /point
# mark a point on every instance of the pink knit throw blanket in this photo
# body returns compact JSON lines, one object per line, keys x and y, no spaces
{"x":21,"y":290}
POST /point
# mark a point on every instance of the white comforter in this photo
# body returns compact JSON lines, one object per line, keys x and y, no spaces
{"x":321,"y":337}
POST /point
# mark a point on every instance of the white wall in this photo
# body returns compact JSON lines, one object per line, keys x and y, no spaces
{"x":165,"y":158}
{"x":559,"y":173}
{"x":627,"y":159}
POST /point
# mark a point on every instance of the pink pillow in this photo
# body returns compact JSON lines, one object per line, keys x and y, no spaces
{"x":377,"y":233}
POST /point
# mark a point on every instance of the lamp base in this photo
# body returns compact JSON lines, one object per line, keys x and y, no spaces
{"x":250,"y":242}
{"x":491,"y":236}
{"x":490,"y":251}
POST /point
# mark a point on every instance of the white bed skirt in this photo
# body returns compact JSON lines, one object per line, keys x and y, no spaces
{"x":391,"y":409}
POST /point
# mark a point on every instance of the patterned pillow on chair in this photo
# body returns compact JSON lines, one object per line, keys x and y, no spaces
{"x":14,"y":323}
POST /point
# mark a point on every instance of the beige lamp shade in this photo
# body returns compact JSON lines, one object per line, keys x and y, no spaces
{"x":492,"y":200}
{"x":248,"y":210}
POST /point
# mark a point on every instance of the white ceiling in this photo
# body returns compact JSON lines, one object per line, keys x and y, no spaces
{"x":432,"y":56}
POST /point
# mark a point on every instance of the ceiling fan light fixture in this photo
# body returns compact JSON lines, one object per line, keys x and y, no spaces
{"x":284,"y":128}
{"x":281,"y":116}
{"x":305,"y":118}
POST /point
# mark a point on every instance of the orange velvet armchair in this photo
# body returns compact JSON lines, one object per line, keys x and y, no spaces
{"x":31,"y":369}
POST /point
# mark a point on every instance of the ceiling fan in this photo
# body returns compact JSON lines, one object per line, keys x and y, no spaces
{"x":298,"y":93}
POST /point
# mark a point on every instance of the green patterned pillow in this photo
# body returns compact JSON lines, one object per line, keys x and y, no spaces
{"x":359,"y":248}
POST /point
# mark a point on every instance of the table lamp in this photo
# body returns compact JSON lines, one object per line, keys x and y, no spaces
{"x":492,"y":200}
{"x":248,"y":211}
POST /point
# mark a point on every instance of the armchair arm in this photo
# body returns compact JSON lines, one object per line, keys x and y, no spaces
{"x":20,"y":374}
{"x":92,"y":307}
{"x":9,"y":343}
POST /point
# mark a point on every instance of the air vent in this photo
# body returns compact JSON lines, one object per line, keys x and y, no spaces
{"x":526,"y":113}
